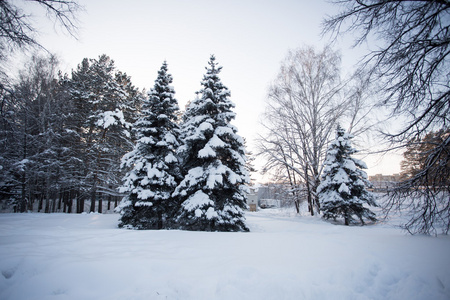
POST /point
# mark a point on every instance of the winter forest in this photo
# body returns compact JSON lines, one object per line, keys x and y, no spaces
{"x":89,"y":140}
{"x":104,"y":177}
{"x":65,"y":144}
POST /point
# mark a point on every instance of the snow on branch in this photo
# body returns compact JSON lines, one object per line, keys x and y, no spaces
{"x":110,"y":118}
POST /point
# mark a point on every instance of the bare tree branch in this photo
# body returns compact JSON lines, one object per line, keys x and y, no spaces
{"x":411,"y":65}
{"x":17,"y":31}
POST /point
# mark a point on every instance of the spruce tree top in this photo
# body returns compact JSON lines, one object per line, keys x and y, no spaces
{"x":207,"y":119}
{"x":214,"y":100}
{"x":161,"y":96}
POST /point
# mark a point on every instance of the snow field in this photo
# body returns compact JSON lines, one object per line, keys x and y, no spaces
{"x":284,"y":256}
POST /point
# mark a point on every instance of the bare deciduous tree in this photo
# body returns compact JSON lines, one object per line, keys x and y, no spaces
{"x":17,"y":31}
{"x":412,"y":67}
{"x":304,"y":104}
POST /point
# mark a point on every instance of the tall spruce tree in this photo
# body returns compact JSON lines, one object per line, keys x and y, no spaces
{"x":342,"y":191}
{"x":155,"y":171}
{"x":213,"y":159}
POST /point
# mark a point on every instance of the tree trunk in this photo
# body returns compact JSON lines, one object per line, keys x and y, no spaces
{"x":308,"y":191}
{"x":60,"y":200}
{"x":47,"y":206}
{"x":316,"y":197}
{"x":160,"y":220}
{"x":30,"y":203}
{"x":80,"y":202}
{"x":23,"y":198}
{"x":70,"y":202}
{"x":40,"y":203}
{"x":297,"y":204}
{"x":65,"y":201}
{"x":100,"y":204}
{"x":93,"y":194}
{"x":78,"y":205}
{"x":346,"y":217}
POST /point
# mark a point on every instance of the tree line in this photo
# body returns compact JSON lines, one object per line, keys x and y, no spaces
{"x":62,"y":137}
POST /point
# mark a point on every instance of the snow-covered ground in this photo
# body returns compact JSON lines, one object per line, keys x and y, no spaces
{"x":81,"y":257}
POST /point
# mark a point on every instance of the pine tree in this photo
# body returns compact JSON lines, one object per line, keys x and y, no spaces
{"x":102,"y":97}
{"x":154,"y":172}
{"x":342,"y":191}
{"x":213,"y":159}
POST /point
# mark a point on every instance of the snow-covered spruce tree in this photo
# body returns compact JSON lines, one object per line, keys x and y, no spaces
{"x":154,"y":169}
{"x":342,"y":191}
{"x":213,"y":159}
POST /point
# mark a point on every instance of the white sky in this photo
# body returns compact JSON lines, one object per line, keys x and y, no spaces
{"x":249,"y":38}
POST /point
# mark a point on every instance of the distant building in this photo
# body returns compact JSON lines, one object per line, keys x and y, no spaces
{"x":266,"y":196}
{"x":273,"y":195}
{"x":382,"y":183}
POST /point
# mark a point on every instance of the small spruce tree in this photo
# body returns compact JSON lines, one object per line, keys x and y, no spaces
{"x":213,"y":158}
{"x":342,"y":190}
{"x":154,"y":168}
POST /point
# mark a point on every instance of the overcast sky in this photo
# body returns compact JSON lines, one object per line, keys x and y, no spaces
{"x":248,"y":37}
